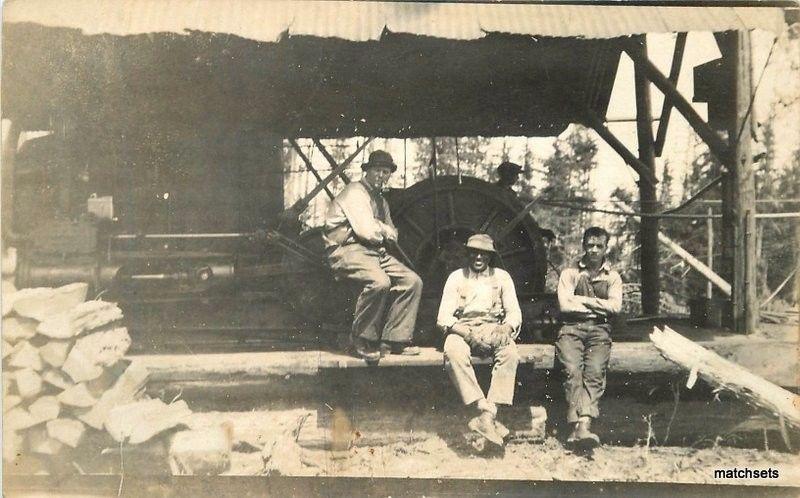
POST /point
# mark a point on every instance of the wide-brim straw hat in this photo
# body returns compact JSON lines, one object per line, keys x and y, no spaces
{"x":481,"y":242}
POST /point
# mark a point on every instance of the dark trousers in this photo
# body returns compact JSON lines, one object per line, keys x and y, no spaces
{"x":584,"y":349}
{"x":387,"y":306}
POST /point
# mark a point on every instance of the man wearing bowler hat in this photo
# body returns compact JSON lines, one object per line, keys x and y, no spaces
{"x":359,"y":237}
{"x":480,"y":315}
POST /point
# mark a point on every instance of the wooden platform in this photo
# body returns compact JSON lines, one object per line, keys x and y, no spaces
{"x":774,"y":359}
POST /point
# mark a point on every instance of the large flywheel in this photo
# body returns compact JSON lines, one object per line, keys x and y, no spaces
{"x":436,"y":216}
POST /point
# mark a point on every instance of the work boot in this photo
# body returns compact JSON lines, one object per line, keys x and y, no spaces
{"x":362,"y":348}
{"x":484,"y":424}
{"x":387,"y":348}
{"x":582,"y":436}
{"x":501,"y":429}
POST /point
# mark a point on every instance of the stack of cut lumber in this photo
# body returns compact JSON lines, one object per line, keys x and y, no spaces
{"x":65,"y":375}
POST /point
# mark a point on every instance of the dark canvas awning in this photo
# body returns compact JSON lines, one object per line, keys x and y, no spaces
{"x":267,"y":20}
{"x":328,"y":69}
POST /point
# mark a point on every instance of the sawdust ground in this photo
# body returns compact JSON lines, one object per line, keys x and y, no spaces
{"x":454,"y":458}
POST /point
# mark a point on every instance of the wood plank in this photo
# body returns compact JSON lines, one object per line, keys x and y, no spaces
{"x":776,"y":360}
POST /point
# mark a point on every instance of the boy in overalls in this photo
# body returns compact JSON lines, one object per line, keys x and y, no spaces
{"x":589,"y":295}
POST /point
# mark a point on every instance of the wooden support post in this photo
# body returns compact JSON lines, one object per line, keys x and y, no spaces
{"x":666,"y":108}
{"x":594,"y":121}
{"x":331,"y":160}
{"x":739,"y":200}
{"x":648,"y":227}
{"x":310,"y":167}
{"x":718,"y":147}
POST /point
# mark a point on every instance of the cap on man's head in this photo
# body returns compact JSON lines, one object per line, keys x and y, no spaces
{"x":379,"y":158}
{"x":548,"y":234}
{"x":507,"y":167}
{"x":481,"y":242}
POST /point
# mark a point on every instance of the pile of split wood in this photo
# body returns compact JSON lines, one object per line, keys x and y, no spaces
{"x":65,"y":377}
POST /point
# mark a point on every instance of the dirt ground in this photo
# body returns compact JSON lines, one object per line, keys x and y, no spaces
{"x":439,"y":458}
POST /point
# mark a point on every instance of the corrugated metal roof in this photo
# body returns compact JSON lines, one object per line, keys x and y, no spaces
{"x":266,"y":20}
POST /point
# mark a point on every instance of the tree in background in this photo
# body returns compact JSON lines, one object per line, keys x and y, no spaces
{"x":467,"y":155}
{"x":567,"y":180}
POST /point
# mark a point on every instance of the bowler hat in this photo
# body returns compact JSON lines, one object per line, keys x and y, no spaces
{"x":379,"y":158}
{"x":509,"y":167}
{"x":481,"y":242}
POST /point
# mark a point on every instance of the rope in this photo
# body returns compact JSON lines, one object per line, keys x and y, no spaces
{"x":755,"y":90}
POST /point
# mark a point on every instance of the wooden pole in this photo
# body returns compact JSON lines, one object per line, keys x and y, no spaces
{"x":648,"y":227}
{"x":718,"y":147}
{"x":738,"y":200}
{"x":710,"y":249}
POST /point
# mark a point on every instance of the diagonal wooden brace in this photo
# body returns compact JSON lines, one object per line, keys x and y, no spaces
{"x":309,"y":165}
{"x":331,"y":160}
{"x":666,"y":109}
{"x":594,"y":121}
{"x":718,"y":146}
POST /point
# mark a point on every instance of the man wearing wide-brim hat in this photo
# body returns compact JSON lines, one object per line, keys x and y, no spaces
{"x":480,"y":315}
{"x":359,"y":237}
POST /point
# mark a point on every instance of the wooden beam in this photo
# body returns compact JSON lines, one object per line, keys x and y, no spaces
{"x":666,"y":108}
{"x":331,"y":160}
{"x":718,"y":146}
{"x":695,"y":263}
{"x":594,"y":121}
{"x":10,"y":139}
{"x":648,"y":227}
{"x":310,"y":167}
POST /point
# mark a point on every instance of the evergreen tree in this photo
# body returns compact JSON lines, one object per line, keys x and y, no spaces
{"x":567,"y":180}
{"x":467,"y":155}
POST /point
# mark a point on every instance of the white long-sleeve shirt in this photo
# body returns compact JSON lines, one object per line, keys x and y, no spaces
{"x":354,"y":216}
{"x":469,"y":294}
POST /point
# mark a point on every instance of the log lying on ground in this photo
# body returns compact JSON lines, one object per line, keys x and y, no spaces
{"x":724,"y":374}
